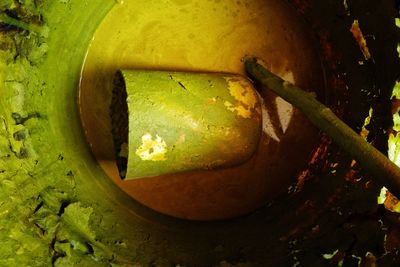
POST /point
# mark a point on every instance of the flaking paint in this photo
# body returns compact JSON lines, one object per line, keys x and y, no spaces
{"x":153,"y":150}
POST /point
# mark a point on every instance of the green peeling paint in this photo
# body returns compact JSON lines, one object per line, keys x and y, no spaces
{"x":180,"y":121}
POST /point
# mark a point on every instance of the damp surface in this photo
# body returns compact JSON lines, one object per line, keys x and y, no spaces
{"x":207,"y":36}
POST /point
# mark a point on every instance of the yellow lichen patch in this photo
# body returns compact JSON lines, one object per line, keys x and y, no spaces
{"x":244,"y":95}
{"x":153,"y":150}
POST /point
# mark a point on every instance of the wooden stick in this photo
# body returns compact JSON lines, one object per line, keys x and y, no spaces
{"x":372,"y":160}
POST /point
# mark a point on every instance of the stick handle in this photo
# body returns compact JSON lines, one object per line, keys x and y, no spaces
{"x":372,"y":160}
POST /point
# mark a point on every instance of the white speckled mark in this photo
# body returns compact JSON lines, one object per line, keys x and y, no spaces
{"x":153,"y":150}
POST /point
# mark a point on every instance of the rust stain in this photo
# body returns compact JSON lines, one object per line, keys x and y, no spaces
{"x":391,"y":202}
{"x":395,"y":105}
{"x":358,"y":35}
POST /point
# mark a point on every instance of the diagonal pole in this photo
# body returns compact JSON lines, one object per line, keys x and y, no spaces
{"x":370,"y":159}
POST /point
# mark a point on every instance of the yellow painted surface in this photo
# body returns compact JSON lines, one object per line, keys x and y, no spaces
{"x":208,"y":36}
{"x":153,"y":150}
{"x":244,"y":95}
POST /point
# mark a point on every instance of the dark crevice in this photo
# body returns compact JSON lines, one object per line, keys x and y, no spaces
{"x":25,"y":15}
{"x":349,"y":251}
{"x":63,"y":206}
{"x":12,"y":13}
{"x":183,"y":86}
{"x":180,"y":83}
{"x":21,"y":120}
{"x":42,"y":230}
{"x":23,"y":153}
{"x":5,"y":27}
{"x":38,"y":207}
{"x":120,"y":122}
{"x":90,"y":248}
{"x":12,"y":149}
{"x":56,"y":254}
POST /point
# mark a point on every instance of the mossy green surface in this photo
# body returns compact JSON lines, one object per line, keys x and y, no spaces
{"x":57,"y":206}
{"x":45,"y":219}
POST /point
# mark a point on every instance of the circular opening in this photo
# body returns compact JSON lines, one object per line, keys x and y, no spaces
{"x":208,"y":36}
